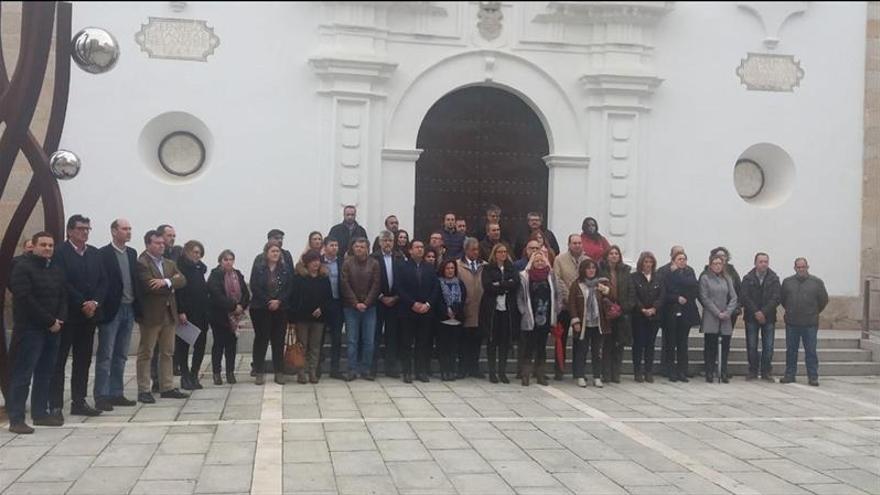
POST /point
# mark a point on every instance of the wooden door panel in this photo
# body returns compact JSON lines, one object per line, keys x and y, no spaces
{"x":481,"y":146}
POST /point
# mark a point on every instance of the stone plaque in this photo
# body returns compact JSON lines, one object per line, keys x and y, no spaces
{"x":768,"y":72}
{"x":178,"y":39}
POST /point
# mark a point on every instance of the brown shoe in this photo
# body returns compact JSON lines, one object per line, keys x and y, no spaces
{"x":20,"y":428}
{"x":313,"y":378}
{"x":301,"y":378}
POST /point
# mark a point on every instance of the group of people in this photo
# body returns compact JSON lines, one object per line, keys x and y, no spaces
{"x":411,"y":299}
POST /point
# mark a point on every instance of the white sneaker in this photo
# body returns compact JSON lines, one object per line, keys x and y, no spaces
{"x":597,"y":382}
{"x":581,"y":382}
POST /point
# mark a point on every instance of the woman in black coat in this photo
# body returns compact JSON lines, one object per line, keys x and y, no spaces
{"x":498,"y":312}
{"x":681,"y":313}
{"x":649,"y":296}
{"x":192,"y":307}
{"x":271,"y":285}
{"x":229,"y":300}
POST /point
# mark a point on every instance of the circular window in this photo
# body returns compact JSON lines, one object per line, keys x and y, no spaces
{"x":748,"y":177}
{"x":764,"y":175}
{"x":176,"y":147}
{"x":181,"y":153}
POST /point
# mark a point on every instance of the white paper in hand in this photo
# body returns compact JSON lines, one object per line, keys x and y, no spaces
{"x":188,"y":332}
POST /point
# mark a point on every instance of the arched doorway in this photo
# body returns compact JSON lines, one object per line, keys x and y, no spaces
{"x":482,"y":146}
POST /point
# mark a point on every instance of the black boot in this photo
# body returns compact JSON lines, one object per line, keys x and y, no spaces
{"x":194,"y":381}
{"x":218,"y":379}
{"x":186,"y":381}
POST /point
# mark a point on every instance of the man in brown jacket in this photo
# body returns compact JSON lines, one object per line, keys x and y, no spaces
{"x":360,"y":286}
{"x":566,"y":271}
{"x":470,"y":271}
{"x":159,"y":278}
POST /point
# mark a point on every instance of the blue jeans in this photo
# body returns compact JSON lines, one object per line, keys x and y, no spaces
{"x":360,"y":329}
{"x":33,"y":354}
{"x":113,"y":340}
{"x":762,"y":362}
{"x":793,"y":336}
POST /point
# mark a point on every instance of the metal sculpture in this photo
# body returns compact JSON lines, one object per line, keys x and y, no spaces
{"x":96,"y":52}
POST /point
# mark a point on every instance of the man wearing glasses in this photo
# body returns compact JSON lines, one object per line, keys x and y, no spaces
{"x":86,"y":286}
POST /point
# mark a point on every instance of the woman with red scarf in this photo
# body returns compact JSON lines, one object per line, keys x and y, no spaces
{"x":536,"y":302}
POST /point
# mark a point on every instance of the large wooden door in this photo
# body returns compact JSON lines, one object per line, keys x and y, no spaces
{"x":482,"y":146}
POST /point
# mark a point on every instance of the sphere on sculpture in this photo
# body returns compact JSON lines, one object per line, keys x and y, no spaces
{"x":64,"y":164}
{"x":95,"y":50}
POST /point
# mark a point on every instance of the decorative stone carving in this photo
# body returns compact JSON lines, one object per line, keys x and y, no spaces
{"x":177,"y":39}
{"x":490,"y":17}
{"x":770,"y":72}
{"x":773,"y":15}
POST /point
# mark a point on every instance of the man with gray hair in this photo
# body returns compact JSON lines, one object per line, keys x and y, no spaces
{"x":470,"y":272}
{"x":804,"y":297}
{"x":387,"y":322}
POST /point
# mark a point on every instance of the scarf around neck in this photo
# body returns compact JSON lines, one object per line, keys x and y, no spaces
{"x":539,"y":274}
{"x":451,"y":291}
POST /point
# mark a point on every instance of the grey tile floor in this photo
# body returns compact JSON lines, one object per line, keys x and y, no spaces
{"x":465,"y":437}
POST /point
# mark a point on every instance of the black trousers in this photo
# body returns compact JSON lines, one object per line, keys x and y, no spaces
{"x":612,"y":354}
{"x":387,"y":338}
{"x":592,"y":342}
{"x":564,"y":320}
{"x":80,"y":337}
{"x":470,"y":342}
{"x":534,"y":349}
{"x":269,"y":326}
{"x":225,"y":344}
{"x":448,"y":337}
{"x":666,"y":351}
{"x":333,"y":321}
{"x":644,"y":338}
{"x":181,"y":348}
{"x":679,"y":331}
{"x":710,"y":352}
{"x":415,"y":343}
{"x":498,"y":345}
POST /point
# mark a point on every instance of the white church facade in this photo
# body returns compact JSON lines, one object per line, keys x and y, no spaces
{"x":703,"y":124}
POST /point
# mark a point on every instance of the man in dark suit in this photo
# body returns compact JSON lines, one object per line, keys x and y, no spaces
{"x":121,"y":307}
{"x":347,"y":230}
{"x":159,"y":278}
{"x":86,"y":291}
{"x":334,"y":317}
{"x":387,"y":322}
{"x":419,"y":289}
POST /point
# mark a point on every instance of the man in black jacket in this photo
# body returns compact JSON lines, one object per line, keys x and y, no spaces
{"x":347,"y":230}
{"x":419,"y":289}
{"x":121,"y":307}
{"x":86,"y":291}
{"x":760,"y":297}
{"x":39,"y":310}
{"x":387,"y":321}
{"x":334,"y":317}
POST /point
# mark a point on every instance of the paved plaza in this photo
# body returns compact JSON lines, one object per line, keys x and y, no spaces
{"x":465,"y":437}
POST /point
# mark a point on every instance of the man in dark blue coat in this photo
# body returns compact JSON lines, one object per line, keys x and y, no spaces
{"x":86,"y":291}
{"x":387,"y":318}
{"x":419,"y":289}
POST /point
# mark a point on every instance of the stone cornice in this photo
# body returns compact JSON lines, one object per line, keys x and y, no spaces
{"x":401,"y":155}
{"x":566,"y":161}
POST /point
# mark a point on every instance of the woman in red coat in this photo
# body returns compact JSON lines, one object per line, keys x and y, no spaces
{"x":595,"y":244}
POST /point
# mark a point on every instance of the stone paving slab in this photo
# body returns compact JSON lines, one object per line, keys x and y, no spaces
{"x":469,"y":436}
